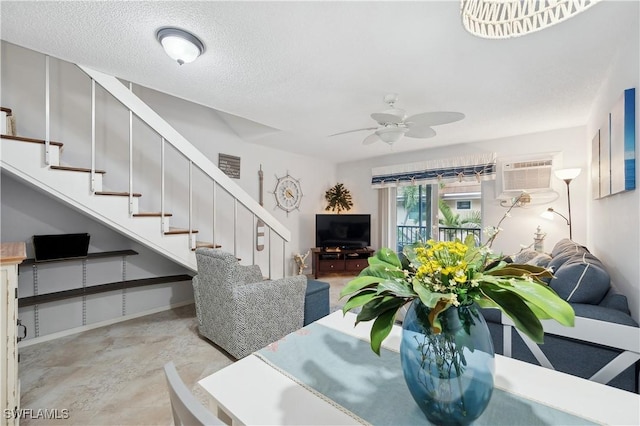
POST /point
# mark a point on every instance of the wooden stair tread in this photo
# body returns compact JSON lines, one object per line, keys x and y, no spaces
{"x":76,"y":169}
{"x":152,"y":214}
{"x":205,"y":244}
{"x":31,"y":140}
{"x":178,"y":231}
{"x":7,"y":110}
{"x":117,"y":194}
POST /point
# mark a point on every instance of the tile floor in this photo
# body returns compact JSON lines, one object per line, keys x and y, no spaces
{"x":114,"y":375}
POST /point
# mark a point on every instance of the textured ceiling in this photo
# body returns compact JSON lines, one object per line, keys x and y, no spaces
{"x":287,"y":74}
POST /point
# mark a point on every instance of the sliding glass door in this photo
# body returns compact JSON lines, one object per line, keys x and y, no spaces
{"x":414,"y":214}
{"x":442,"y":212}
{"x":459,"y":211}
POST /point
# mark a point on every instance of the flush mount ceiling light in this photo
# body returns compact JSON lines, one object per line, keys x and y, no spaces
{"x":514,"y":18}
{"x":181,"y":46}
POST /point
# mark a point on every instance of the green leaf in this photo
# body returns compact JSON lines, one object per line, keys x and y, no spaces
{"x":429,"y":298}
{"x":544,"y":298}
{"x":507,"y":271}
{"x":496,"y":264}
{"x":470,"y":241}
{"x":485,"y":302}
{"x":534,"y":270}
{"x":388,"y":256}
{"x":358,"y":300}
{"x":518,"y":271}
{"x":397,"y":288}
{"x":359,"y":283}
{"x":377,"y":306}
{"x":381,"y":328}
{"x":409,"y":252}
{"x":513,"y":306}
{"x":382,"y":270}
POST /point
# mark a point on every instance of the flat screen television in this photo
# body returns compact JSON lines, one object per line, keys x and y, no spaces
{"x":347,"y":231}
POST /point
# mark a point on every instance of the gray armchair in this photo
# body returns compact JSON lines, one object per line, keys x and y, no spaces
{"x":240,"y":311}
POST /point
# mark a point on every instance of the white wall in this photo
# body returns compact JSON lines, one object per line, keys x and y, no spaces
{"x":519,"y":229}
{"x":614,"y":221}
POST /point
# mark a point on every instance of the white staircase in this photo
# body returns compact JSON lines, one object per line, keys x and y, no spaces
{"x":38,"y":163}
{"x":25,"y":160}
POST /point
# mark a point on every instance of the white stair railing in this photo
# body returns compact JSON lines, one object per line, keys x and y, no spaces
{"x":195,"y":158}
{"x":136,"y":107}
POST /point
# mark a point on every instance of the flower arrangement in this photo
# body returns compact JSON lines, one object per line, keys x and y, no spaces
{"x":453,"y":273}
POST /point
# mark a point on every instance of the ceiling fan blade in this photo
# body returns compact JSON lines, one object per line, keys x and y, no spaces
{"x":421,"y":132}
{"x":352,"y":131}
{"x":372,"y":138}
{"x":386,"y":117}
{"x":435,"y":118}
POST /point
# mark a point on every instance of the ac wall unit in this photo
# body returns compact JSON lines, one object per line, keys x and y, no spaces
{"x":531,"y":175}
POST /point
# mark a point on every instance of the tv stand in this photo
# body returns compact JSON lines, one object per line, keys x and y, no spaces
{"x":331,"y":260}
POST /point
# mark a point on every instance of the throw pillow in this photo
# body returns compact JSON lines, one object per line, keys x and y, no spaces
{"x":524,"y":256}
{"x":541,"y":260}
{"x":581,"y":280}
{"x":569,"y":247}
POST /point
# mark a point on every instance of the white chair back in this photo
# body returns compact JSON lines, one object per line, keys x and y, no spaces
{"x":186,"y":409}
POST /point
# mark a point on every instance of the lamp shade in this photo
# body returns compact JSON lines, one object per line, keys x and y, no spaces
{"x":547,"y":214}
{"x":181,"y":46}
{"x":567,"y":174}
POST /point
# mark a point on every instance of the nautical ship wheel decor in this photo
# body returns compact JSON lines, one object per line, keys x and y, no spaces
{"x":288,"y":193}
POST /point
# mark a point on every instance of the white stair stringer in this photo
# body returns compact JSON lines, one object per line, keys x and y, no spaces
{"x":24,"y":160}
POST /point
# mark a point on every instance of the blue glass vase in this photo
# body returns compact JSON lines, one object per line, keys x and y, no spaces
{"x":449,"y":374}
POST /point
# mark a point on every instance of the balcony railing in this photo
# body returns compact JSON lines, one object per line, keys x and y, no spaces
{"x":408,"y":234}
{"x":446,"y":233}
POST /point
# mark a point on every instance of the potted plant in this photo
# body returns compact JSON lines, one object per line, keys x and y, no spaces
{"x":446,"y":350}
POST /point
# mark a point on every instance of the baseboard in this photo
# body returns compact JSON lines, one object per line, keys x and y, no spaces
{"x":64,"y":333}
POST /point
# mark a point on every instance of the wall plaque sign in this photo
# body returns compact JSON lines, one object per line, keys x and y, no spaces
{"x":230,"y":165}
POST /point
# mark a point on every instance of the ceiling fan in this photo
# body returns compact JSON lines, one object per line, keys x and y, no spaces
{"x":393,"y":123}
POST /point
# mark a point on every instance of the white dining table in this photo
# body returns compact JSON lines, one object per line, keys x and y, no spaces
{"x":252,"y":392}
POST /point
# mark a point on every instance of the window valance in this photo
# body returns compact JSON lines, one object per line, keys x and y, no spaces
{"x":477,"y":168}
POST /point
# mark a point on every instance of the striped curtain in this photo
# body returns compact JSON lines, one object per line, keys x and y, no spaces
{"x":471,"y":168}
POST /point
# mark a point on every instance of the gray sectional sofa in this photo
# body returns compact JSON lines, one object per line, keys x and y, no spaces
{"x":582,"y":280}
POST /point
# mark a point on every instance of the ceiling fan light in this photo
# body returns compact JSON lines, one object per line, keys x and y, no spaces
{"x":181,"y":46}
{"x":391,"y":135}
{"x":398,"y":112}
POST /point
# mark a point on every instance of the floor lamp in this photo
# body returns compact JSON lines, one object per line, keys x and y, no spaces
{"x":567,"y":175}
